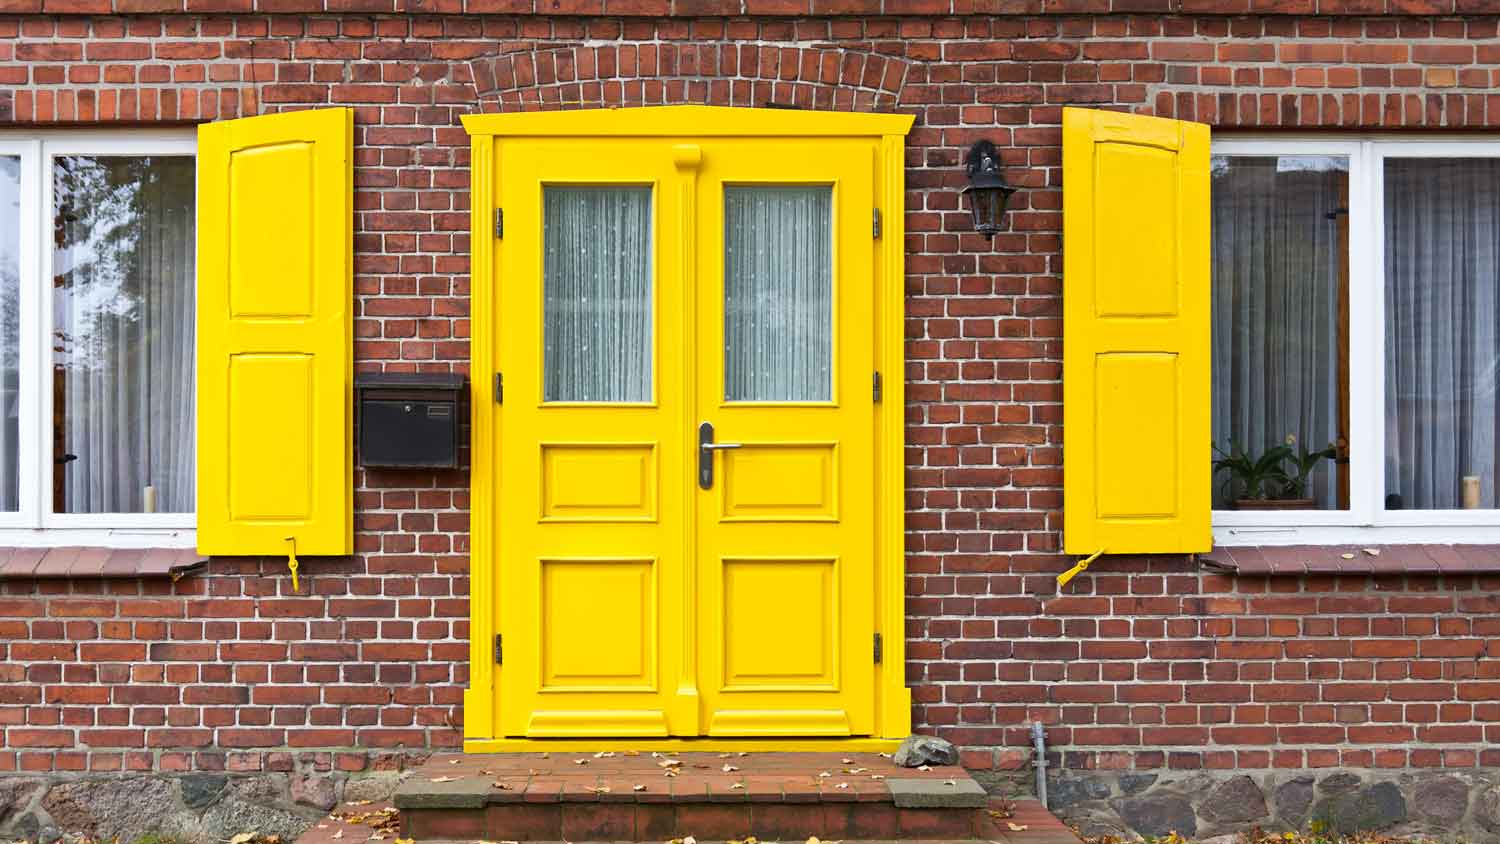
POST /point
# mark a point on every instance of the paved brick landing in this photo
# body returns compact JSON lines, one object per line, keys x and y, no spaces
{"x":710,"y":796}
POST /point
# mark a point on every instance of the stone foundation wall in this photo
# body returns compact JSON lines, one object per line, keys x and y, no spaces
{"x":1449,"y":805}
{"x":190,"y":808}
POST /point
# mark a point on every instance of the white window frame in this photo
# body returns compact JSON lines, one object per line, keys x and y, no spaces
{"x":1366,"y":522}
{"x":34,"y":525}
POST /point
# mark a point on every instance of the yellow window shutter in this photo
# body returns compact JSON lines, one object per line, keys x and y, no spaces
{"x":1135,"y":334}
{"x":275,"y":334}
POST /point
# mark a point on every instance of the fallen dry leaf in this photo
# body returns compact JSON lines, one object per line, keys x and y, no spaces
{"x":1016,"y":827}
{"x":825,"y":774}
{"x":580,"y":761}
{"x":734,"y":786}
{"x":877,"y":776}
{"x":842,"y":785}
{"x":637,"y":788}
{"x":339,"y":834}
{"x":924,"y":767}
{"x":242,"y":838}
{"x":847,"y":761}
{"x":599,"y":789}
{"x":434,"y":779}
{"x":729,"y":769}
{"x":503,"y":786}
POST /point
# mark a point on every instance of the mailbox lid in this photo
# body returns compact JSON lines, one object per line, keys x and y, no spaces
{"x":420,"y":385}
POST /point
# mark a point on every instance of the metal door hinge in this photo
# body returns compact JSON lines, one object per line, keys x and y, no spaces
{"x":879,"y":649}
{"x":875,"y":223}
{"x":875,"y":387}
{"x":499,"y":653}
{"x":499,"y":388}
{"x":499,"y":223}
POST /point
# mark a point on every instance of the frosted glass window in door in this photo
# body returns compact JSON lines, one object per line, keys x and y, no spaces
{"x":778,"y":293}
{"x":597,"y":294}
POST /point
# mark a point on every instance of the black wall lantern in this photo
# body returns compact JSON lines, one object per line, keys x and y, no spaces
{"x":987,"y":192}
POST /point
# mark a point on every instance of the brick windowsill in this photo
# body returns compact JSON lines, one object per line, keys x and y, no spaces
{"x":1355,"y":559}
{"x":80,"y":562}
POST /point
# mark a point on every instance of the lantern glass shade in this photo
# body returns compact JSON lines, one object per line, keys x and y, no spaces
{"x":987,"y":205}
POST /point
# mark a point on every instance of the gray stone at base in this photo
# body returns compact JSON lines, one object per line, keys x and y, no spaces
{"x":462,"y":793}
{"x":916,"y":751}
{"x":1378,"y":807}
{"x":964,"y":793}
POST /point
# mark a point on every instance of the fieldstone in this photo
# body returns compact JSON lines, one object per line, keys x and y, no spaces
{"x":232,"y":815}
{"x":15,"y":794}
{"x":108,"y":808}
{"x":1442,"y":801}
{"x":1136,"y":783}
{"x":199,"y":790}
{"x":1342,"y":782}
{"x":1370,"y":809}
{"x":925,"y":750}
{"x":1293,"y":798}
{"x":316,"y":791}
{"x":1158,"y":814}
{"x":26,"y":827}
{"x":1487,"y":809}
{"x":1062,"y":793}
{"x":1236,"y":800}
{"x":373,"y":787}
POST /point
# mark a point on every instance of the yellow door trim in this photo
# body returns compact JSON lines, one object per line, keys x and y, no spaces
{"x":892,"y":698}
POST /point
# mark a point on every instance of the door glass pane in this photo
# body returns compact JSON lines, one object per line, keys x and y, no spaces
{"x":597,"y":291}
{"x":122,"y":334}
{"x":1280,"y":332}
{"x":778,"y":293}
{"x":1442,"y":332}
{"x":10,"y":327}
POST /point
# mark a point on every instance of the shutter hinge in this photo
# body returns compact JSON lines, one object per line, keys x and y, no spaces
{"x":499,"y":223}
{"x":879,"y":649}
{"x":499,"y":653}
{"x":499,"y":388}
{"x":875,"y":223}
{"x":875,"y":386}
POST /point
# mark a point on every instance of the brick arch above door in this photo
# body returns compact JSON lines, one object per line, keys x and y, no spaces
{"x":825,"y":78}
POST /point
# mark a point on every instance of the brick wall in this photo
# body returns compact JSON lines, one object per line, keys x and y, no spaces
{"x":1145,"y":664}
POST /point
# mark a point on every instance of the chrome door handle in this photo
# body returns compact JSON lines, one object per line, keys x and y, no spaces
{"x":706,"y":449}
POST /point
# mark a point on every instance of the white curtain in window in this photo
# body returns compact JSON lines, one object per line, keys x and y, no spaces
{"x":10,"y":326}
{"x":778,"y":293}
{"x":597,"y":291}
{"x":1442,"y":347}
{"x":122,"y":342}
{"x":1276,"y":260}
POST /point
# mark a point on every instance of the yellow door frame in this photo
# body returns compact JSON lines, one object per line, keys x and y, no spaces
{"x":892,"y":698}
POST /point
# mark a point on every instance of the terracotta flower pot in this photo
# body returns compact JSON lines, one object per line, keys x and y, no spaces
{"x":1275,"y":504}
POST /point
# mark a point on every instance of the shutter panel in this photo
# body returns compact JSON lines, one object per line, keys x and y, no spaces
{"x":275,"y":334}
{"x":1136,"y":334}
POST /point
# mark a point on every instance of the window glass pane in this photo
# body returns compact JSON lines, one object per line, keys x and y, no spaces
{"x":10,"y":327}
{"x":597,"y":290}
{"x":1280,"y":332}
{"x":1442,"y":347}
{"x":778,"y":293}
{"x":122,"y":334}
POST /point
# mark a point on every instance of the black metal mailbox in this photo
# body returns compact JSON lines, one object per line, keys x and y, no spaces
{"x":408,"y":420}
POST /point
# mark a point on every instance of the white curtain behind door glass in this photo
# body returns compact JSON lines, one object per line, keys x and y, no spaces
{"x":1276,"y":260}
{"x":1442,"y":347}
{"x":10,"y":326}
{"x":597,"y":291}
{"x":778,"y":293}
{"x":122,"y":333}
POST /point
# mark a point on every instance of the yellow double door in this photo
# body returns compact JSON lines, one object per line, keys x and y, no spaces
{"x":685,"y":512}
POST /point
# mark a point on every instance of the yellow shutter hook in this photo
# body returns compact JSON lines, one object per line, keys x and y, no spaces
{"x":1083,"y":566}
{"x":291,"y":561}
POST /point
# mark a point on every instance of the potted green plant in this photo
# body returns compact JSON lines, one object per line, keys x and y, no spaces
{"x":1275,"y":479}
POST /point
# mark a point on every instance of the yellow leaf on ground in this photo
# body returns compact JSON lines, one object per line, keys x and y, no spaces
{"x":1016,"y":827}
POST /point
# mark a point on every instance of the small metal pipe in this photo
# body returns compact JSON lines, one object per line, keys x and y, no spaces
{"x":1039,"y":745}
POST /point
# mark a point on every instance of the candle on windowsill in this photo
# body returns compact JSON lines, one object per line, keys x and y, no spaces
{"x":149,"y":505}
{"x":1471,"y":492}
